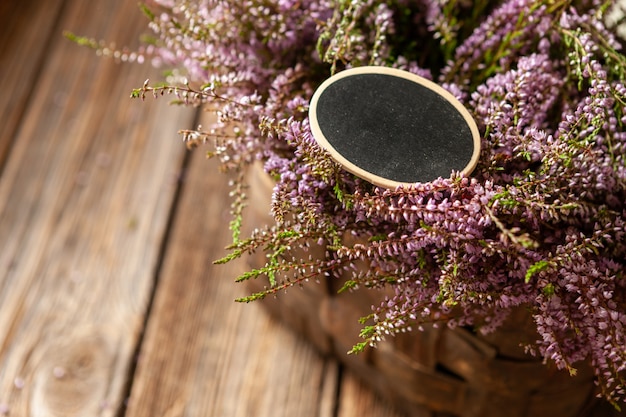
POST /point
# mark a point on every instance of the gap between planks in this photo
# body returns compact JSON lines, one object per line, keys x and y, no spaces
{"x":84,"y":198}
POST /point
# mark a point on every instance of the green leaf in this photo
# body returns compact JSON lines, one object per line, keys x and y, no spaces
{"x":147,"y":11}
{"x":548,"y":290}
{"x":81,"y":40}
{"x":537,"y":267}
{"x":234,"y":255}
{"x":254,"y":297}
{"x":349,"y":284}
{"x":378,"y":238}
{"x":358,"y":348}
{"x":136,"y":93}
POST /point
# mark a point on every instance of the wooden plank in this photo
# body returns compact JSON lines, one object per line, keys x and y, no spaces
{"x":204,"y":354}
{"x":21,"y":52}
{"x":85,"y":199}
{"x":357,"y":400}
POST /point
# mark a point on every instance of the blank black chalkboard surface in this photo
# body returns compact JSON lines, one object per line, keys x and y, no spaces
{"x":392,"y":127}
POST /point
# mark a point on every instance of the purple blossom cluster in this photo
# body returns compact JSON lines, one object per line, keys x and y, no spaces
{"x":539,"y":225}
{"x":254,"y":56}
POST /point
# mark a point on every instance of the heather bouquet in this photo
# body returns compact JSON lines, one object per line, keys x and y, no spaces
{"x":539,"y":224}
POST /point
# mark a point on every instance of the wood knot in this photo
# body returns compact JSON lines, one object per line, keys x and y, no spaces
{"x":73,"y":376}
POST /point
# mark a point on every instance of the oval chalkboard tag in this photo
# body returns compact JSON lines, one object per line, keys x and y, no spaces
{"x":392,"y":127}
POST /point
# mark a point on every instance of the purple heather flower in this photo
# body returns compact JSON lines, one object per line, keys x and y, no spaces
{"x":539,"y":225}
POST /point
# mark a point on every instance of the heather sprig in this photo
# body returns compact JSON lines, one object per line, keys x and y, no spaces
{"x":544,"y":210}
{"x":541,"y":223}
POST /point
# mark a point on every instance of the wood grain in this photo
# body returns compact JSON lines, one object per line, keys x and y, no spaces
{"x":85,"y":198}
{"x":22,"y":50}
{"x":356,"y":399}
{"x":206,"y":355}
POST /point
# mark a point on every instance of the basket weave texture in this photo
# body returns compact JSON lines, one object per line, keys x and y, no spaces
{"x":437,"y":372}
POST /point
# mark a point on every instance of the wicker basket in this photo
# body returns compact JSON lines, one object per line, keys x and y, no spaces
{"x":438,"y":372}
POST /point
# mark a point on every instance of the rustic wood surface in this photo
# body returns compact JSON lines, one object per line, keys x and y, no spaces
{"x":109,"y":303}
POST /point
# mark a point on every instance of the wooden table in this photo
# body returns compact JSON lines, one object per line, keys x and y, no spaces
{"x":109,"y":302}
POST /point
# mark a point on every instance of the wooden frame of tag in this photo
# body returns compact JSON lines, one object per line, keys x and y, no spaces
{"x":362,"y":173}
